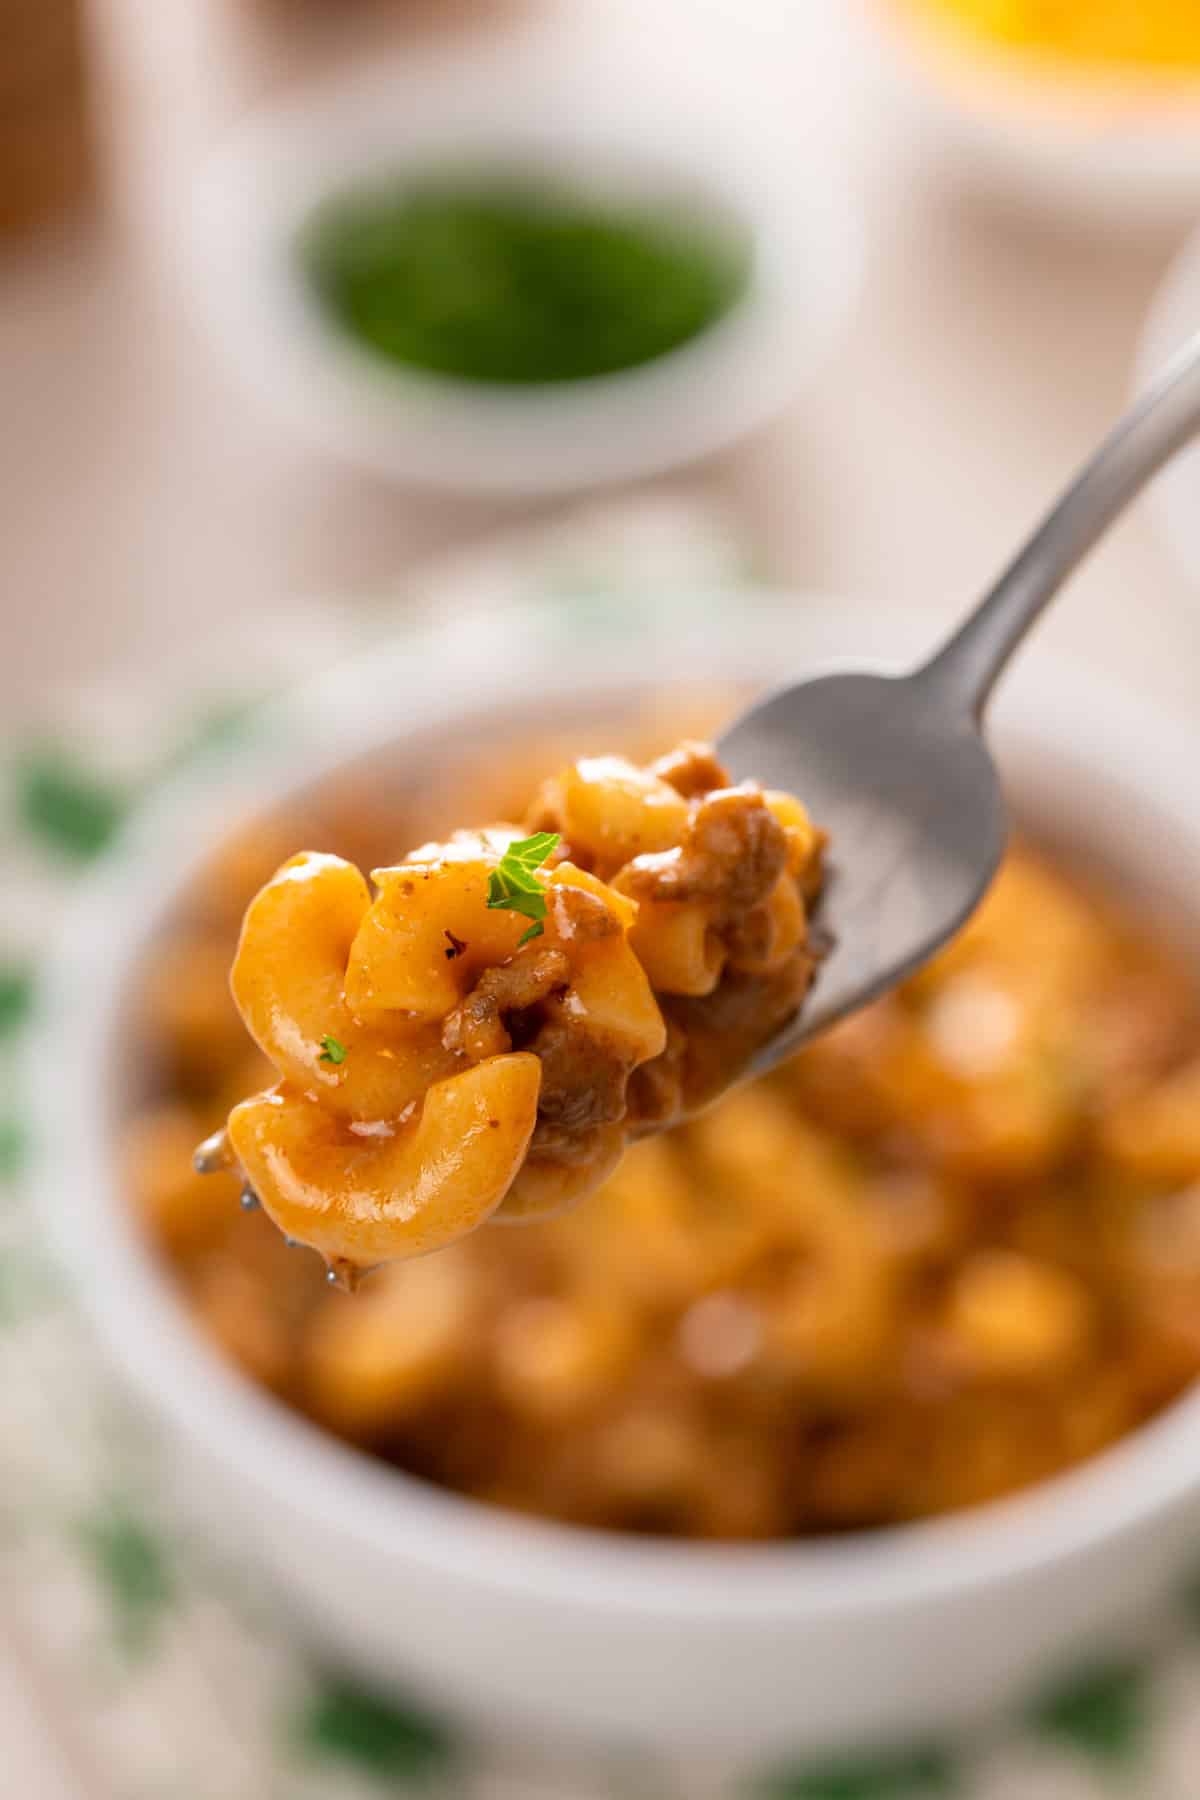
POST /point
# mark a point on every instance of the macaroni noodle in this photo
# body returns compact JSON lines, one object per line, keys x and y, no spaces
{"x":480,"y":1029}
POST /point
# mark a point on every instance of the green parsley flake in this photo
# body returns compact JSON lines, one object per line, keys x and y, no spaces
{"x":513,"y":884}
{"x":332,"y":1051}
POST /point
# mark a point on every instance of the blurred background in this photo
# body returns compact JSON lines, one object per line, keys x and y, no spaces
{"x":919,"y":256}
{"x":149,"y":498}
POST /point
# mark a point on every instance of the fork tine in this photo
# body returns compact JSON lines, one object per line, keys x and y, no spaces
{"x":213,"y":1155}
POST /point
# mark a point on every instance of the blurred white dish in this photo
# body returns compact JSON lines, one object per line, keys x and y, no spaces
{"x":753,"y":1651}
{"x":1174,"y":316}
{"x":1116,"y":149}
{"x":626,"y":128}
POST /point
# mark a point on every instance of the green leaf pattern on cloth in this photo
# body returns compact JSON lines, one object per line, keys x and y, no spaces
{"x":1102,"y":1712}
{"x":349,"y":1724}
{"x":16,"y":997}
{"x":14,"y":1148}
{"x":65,"y":806}
{"x":923,"y":1774}
{"x":131,"y":1565}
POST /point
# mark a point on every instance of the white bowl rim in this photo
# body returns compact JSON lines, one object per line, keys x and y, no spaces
{"x":296,"y":1467}
{"x":232,"y":246}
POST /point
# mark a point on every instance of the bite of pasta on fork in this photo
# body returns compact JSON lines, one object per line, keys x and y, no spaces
{"x":479,"y":1030}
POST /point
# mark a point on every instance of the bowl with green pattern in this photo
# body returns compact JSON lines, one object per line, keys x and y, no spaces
{"x":506,"y":274}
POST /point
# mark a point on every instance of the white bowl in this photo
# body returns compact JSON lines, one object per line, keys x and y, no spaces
{"x":753,"y":1651}
{"x":1112,"y":148}
{"x":628,"y":130}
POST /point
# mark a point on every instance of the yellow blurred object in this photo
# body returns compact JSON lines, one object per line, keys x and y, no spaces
{"x":182,"y":1211}
{"x":1014,"y":1318}
{"x":1153,"y":1134}
{"x":405,"y":1340}
{"x":557,"y":1357}
{"x":1151,"y":34}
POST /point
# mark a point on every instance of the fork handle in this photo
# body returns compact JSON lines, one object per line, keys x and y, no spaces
{"x":966,"y":668}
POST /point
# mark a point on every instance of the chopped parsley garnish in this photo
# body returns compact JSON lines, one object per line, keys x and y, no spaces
{"x":332,"y":1051}
{"x":513,"y":883}
{"x":513,"y":281}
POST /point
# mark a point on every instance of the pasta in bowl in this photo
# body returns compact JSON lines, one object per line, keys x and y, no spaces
{"x":947,"y":1377}
{"x":481,"y":1029}
{"x":938,"y":1257}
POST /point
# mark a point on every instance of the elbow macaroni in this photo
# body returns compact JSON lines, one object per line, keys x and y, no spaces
{"x":952,"y":1249}
{"x":437,"y":1069}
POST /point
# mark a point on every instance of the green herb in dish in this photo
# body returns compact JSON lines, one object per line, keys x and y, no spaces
{"x":332,"y":1051}
{"x":513,"y":883}
{"x":516,"y":284}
